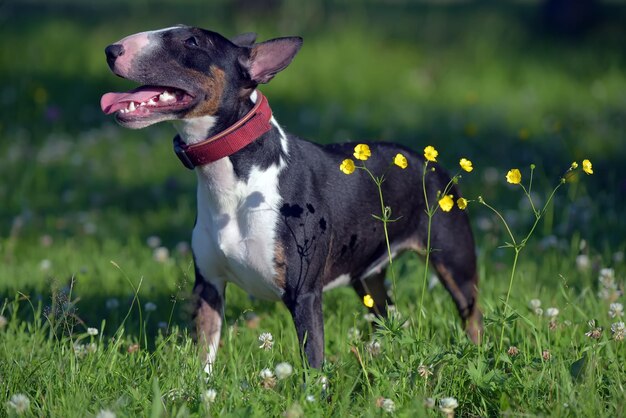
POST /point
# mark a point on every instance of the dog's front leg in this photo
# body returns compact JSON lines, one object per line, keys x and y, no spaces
{"x":306,"y":310}
{"x":208,"y":316}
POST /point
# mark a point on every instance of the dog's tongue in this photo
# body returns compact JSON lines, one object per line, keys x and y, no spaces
{"x":112,"y":102}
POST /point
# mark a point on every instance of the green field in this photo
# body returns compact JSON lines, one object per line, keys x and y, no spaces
{"x":87,"y":209}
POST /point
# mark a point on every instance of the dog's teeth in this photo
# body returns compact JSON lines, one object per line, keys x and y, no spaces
{"x":166,"y":96}
{"x":131,"y":106}
{"x":151,"y":102}
{"x":142,"y":104}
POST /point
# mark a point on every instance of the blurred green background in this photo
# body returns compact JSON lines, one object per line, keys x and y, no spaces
{"x":504,"y":83}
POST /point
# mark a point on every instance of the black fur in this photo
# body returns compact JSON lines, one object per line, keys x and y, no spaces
{"x":326,"y":228}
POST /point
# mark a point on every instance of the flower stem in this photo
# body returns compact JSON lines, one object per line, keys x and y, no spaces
{"x":508,"y":295}
{"x":385,"y":219}
{"x":430,"y":214}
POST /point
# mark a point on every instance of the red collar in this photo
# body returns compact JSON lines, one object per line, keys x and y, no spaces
{"x":243,"y":132}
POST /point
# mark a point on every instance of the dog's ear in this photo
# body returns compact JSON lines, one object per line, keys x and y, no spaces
{"x":268,"y":58}
{"x":245,"y":39}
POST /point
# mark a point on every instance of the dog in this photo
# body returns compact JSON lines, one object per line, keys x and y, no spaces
{"x":275,"y":214}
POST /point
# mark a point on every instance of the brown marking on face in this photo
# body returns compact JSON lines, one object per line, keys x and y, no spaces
{"x":280,"y":265}
{"x":213,"y":87}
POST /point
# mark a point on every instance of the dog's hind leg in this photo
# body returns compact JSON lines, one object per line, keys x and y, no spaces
{"x":374,"y":286}
{"x":454,"y":259}
{"x":208,"y":317}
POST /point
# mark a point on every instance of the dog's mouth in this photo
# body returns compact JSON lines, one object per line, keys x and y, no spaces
{"x":145,"y":101}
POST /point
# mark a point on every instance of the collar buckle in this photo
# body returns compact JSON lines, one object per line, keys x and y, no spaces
{"x":180,"y":150}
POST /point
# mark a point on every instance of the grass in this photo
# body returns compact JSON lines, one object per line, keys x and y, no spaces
{"x":81,"y":196}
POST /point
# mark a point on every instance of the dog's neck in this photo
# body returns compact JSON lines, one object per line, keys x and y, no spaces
{"x":197,"y":129}
{"x":218,"y":180}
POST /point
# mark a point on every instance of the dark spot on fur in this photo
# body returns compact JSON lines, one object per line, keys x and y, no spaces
{"x":323,"y":224}
{"x":291,"y":211}
{"x":310,"y":208}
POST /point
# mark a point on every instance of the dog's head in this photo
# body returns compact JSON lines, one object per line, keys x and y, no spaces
{"x":188,"y":72}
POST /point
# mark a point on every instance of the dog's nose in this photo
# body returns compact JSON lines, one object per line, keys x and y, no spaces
{"x":112,"y":52}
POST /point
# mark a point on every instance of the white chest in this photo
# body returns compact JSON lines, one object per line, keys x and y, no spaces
{"x":235,"y":234}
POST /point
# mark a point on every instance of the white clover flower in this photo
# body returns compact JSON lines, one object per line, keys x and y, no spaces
{"x":424,"y":371}
{"x":606,"y":276}
{"x":534,"y":304}
{"x":582,"y":262}
{"x":513,"y":351}
{"x":112,"y":303}
{"x":80,"y":350}
{"x":618,"y":329}
{"x":388,"y":405}
{"x":268,"y":380}
{"x":267,"y":341}
{"x":92,"y":331}
{"x":209,"y":395}
{"x":105,"y":413}
{"x":448,"y":405}
{"x":3,"y":322}
{"x":310,"y":398}
{"x":323,"y":382}
{"x":354,"y":335}
{"x":150,"y":307}
{"x":294,"y":411}
{"x":19,"y":403}
{"x":539,"y":312}
{"x":552,"y":312}
{"x":161,"y":254}
{"x":283,"y":370}
{"x":45,"y":265}
{"x":374,"y":348}
{"x":153,"y":241}
{"x":616,"y":310}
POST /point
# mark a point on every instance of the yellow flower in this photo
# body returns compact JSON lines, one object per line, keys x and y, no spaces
{"x":400,"y":161}
{"x":574,"y":166}
{"x":446,"y":203}
{"x":347,"y":166}
{"x":587,"y":168}
{"x":461,"y":202}
{"x":368,"y":301}
{"x":430,"y":153}
{"x":466,"y":164}
{"x":514,"y":176}
{"x":362,"y":152}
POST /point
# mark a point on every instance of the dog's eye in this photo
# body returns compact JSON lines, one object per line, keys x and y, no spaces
{"x":191,"y":42}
